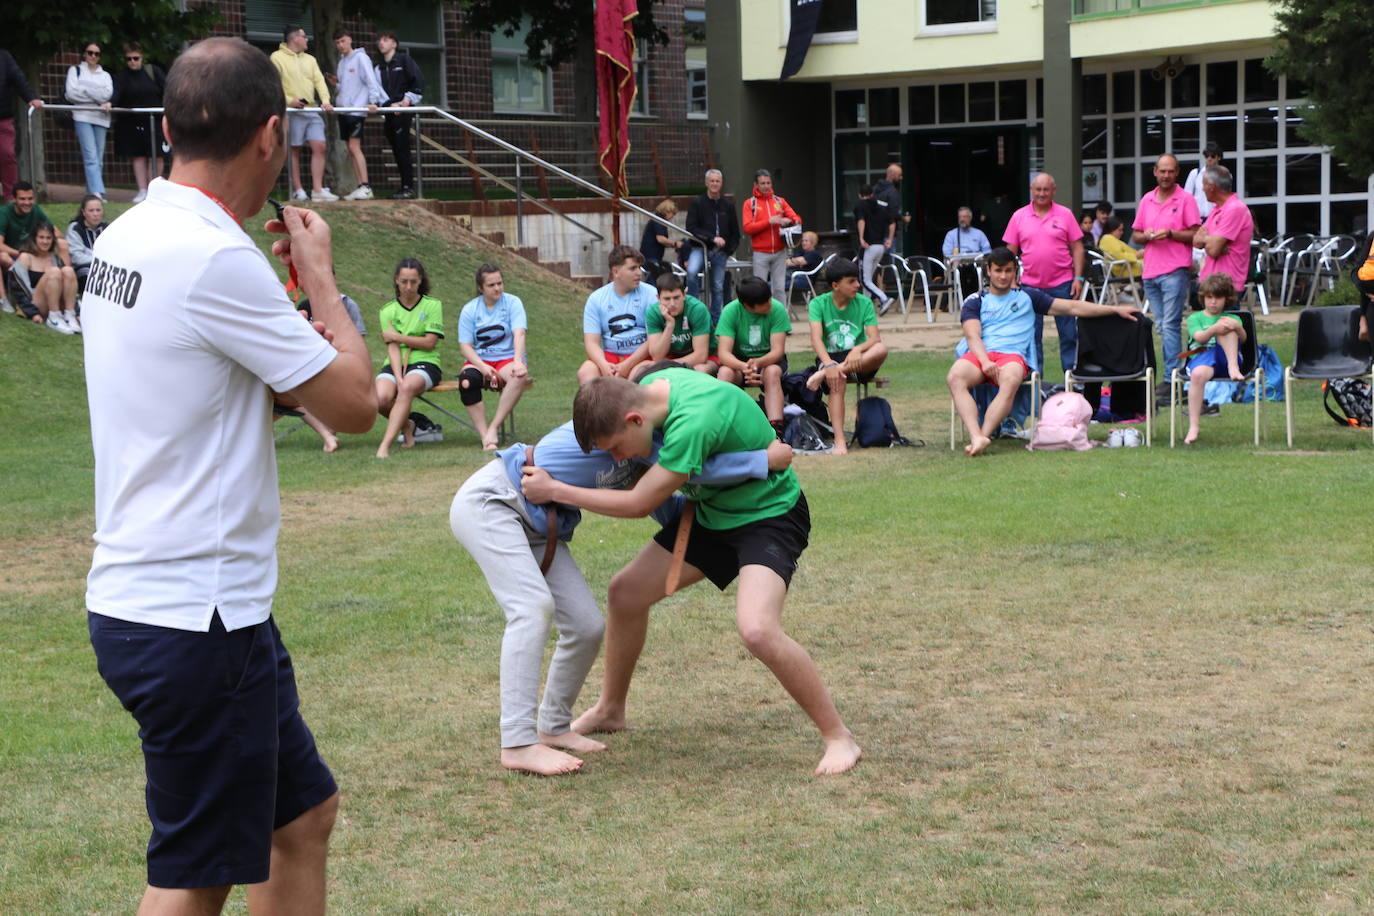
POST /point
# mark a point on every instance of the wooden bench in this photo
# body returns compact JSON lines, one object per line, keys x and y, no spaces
{"x":507,"y":431}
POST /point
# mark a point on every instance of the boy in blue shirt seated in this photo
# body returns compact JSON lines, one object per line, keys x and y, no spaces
{"x":999,"y":333}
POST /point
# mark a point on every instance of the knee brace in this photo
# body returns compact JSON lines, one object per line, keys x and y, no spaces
{"x":470,"y":386}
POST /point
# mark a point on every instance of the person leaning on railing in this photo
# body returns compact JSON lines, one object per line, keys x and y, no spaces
{"x":12,"y":83}
{"x":89,"y":84}
{"x":404,"y":85}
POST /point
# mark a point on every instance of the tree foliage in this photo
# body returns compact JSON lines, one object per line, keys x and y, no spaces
{"x":1327,"y":46}
{"x":558,"y":28}
{"x":44,"y":29}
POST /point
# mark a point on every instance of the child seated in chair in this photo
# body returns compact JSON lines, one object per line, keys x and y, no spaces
{"x":1215,"y":341}
{"x":999,"y":333}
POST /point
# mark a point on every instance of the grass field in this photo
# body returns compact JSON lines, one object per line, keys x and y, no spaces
{"x":1128,"y":681}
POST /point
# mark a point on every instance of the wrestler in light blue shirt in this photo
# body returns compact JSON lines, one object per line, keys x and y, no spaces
{"x":969,"y":241}
{"x":619,"y":319}
{"x":490,"y":330}
{"x":560,"y":455}
{"x":1008,"y":321}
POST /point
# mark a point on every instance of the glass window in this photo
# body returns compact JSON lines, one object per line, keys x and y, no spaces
{"x":1123,"y":182}
{"x":921,"y":105}
{"x":1295,"y":120}
{"x":642,"y":69}
{"x":838,"y":16}
{"x":1261,"y":129}
{"x":1146,"y":171}
{"x":884,"y":107}
{"x":1095,"y":138}
{"x":1187,"y":134}
{"x":1221,"y":130}
{"x":696,"y":82}
{"x":1123,"y":91}
{"x":1266,"y":217}
{"x":1123,"y":137}
{"x":1221,"y":84}
{"x":1261,"y":177}
{"x":1304,"y":218}
{"x":1152,"y":135}
{"x":956,"y":12}
{"x":1185,"y":87}
{"x":1342,"y":182}
{"x":1011,"y":100}
{"x":952,"y":103}
{"x":1304,"y":173}
{"x":851,"y":110}
{"x":853,"y":156}
{"x":1151,"y":91}
{"x":982,"y":101}
{"x":1040,"y":99}
{"x":1095,"y":94}
{"x":1349,"y":217}
{"x":1260,"y":84}
{"x":515,"y":84}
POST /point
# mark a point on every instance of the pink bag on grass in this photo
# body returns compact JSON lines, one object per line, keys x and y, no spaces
{"x":1063,"y":424}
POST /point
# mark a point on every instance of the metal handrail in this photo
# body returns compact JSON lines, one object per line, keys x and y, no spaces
{"x":469,"y":126}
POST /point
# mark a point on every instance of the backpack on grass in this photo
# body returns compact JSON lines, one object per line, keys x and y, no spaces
{"x":807,"y":434}
{"x":874,"y":428}
{"x":1352,"y":401}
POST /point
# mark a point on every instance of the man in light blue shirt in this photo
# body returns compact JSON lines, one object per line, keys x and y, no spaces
{"x":614,"y":332}
{"x":965,"y":239}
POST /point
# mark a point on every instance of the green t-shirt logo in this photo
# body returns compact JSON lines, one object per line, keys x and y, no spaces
{"x":755,"y":335}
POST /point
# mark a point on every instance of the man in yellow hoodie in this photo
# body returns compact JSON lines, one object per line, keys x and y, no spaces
{"x":303,"y":83}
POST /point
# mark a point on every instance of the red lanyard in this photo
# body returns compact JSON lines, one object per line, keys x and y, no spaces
{"x":293,"y":282}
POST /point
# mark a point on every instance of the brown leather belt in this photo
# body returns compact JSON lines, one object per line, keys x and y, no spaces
{"x":551,"y":529}
{"x":684,"y":534}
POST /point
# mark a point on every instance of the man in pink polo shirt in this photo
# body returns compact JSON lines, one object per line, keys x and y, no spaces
{"x":1225,"y":237}
{"x":1166,"y":222}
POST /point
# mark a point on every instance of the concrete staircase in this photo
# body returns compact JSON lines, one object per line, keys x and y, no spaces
{"x":531,"y":253}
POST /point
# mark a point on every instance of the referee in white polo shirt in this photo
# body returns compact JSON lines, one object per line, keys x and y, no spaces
{"x":188,"y":328}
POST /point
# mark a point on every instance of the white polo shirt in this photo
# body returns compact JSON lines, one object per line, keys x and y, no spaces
{"x":186,"y":326}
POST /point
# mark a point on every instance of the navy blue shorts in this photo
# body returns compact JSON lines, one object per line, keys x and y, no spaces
{"x":1213,"y":356}
{"x":228,"y":757}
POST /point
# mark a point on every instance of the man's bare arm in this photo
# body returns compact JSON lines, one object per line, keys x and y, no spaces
{"x":653,"y":488}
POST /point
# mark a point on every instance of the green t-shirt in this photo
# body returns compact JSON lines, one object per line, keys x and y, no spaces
{"x":752,"y":333}
{"x":1201,"y":321}
{"x":707,"y":417}
{"x":16,"y":229}
{"x":695,"y":321}
{"x":425,"y":317}
{"x":843,"y":329}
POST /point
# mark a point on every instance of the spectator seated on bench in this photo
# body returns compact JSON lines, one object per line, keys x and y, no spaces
{"x":613,"y":331}
{"x":751,"y":343}
{"x":491,"y":334}
{"x":844,"y":334}
{"x":999,"y":334}
{"x":412,"y":325}
{"x":679,"y":327}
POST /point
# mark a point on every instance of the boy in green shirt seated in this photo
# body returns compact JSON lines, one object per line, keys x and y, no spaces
{"x":754,"y":531}
{"x":844,"y":334}
{"x":751,"y":343}
{"x":679,"y":326}
{"x":1215,"y":340}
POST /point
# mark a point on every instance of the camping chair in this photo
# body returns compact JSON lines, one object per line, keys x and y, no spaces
{"x":1141,"y":367}
{"x":937,"y":279}
{"x":956,"y":429}
{"x":1285,"y":253}
{"x":1249,"y":364}
{"x":814,"y":277}
{"x":1332,"y":264}
{"x":1328,"y":346}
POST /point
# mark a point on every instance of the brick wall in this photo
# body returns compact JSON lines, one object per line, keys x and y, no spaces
{"x":683,"y":145}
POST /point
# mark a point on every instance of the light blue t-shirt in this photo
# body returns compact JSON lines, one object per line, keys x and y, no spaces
{"x":491,"y":331}
{"x":968,"y":241}
{"x":619,"y":319}
{"x":1008,"y":321}
{"x":560,"y":455}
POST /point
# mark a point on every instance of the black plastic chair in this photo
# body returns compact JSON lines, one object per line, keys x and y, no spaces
{"x":1328,"y":347}
{"x":1249,"y":364}
{"x":1086,"y":368}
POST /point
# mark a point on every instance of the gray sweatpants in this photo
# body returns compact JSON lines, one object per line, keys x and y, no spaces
{"x":488,"y":518}
{"x":873,"y":255}
{"x":773,"y":268}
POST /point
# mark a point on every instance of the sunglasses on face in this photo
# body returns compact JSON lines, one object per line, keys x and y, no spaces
{"x":92,"y":53}
{"x":134,"y":59}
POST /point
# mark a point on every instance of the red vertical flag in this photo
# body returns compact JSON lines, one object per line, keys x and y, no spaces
{"x":615,"y":85}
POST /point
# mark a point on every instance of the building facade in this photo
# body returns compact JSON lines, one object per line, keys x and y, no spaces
{"x":974,"y":96}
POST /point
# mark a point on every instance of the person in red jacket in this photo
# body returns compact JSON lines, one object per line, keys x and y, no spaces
{"x":765,"y":215}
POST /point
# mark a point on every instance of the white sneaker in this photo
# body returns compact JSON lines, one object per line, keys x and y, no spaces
{"x":140,"y":197}
{"x":361,"y":192}
{"x":1131,"y":438}
{"x":323,"y":194}
{"x":70,"y":318}
{"x":57,"y":324}
{"x":1114,"y":438}
{"x":299,"y":194}
{"x":6,"y":307}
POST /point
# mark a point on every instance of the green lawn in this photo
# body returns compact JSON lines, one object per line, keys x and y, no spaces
{"x":1118,"y":681}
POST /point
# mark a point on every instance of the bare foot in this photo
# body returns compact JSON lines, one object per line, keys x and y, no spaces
{"x":331,"y":444}
{"x":539,"y":760}
{"x":597,"y":719}
{"x":1237,"y":375}
{"x":814,"y":382}
{"x":841,"y":754}
{"x":840,"y":448}
{"x":384,"y":450}
{"x":976,"y":447}
{"x":489,"y":441}
{"x":571,"y":741}
{"x":409,"y":441}
{"x":1191,"y":437}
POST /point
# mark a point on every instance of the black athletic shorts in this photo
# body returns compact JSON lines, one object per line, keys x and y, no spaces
{"x":840,"y":356}
{"x":775,"y":542}
{"x":227,"y":755}
{"x":350,"y":126}
{"x":435,"y":374}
